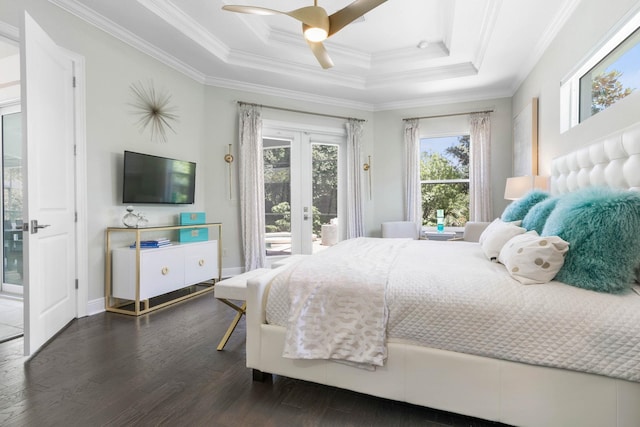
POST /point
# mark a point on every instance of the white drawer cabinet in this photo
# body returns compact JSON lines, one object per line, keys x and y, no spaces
{"x":163,"y":270}
{"x":200,"y":265}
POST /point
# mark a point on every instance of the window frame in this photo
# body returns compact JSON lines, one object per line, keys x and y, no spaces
{"x":450,"y":134}
{"x":570,"y":85}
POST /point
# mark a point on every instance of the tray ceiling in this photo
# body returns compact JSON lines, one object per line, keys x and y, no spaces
{"x":471,"y":49}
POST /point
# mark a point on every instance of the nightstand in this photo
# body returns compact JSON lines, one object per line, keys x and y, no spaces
{"x":434,"y":235}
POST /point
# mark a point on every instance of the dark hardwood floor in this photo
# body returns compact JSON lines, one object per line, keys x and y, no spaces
{"x":163,"y":369}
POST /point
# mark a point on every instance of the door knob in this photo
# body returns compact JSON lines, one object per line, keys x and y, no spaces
{"x":35,"y":226}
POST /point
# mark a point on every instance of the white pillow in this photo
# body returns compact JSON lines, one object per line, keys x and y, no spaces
{"x":532,"y":259}
{"x":496,"y":235}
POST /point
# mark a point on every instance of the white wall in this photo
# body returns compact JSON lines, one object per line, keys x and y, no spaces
{"x":388,"y":155}
{"x":222,"y":130}
{"x":111,"y":67}
{"x":586,"y":28}
{"x":207,"y":124}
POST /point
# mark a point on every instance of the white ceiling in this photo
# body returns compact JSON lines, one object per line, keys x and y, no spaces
{"x":477,"y":49}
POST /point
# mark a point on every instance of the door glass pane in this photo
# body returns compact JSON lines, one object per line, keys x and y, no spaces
{"x":277,"y":196}
{"x":12,"y":197}
{"x":325,"y":195}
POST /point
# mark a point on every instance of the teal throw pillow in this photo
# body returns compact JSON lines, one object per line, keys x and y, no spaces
{"x":537,"y":215}
{"x":517,"y":210}
{"x":602,"y":226}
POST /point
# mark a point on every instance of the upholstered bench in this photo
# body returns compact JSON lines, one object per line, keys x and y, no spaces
{"x":288,"y":260}
{"x":235,"y":288}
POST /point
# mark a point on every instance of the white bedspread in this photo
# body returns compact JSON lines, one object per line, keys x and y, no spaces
{"x":337,"y":304}
{"x":447,"y":295}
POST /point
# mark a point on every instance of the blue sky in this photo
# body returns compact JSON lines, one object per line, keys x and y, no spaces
{"x":629,"y":65}
{"x":439,"y":145}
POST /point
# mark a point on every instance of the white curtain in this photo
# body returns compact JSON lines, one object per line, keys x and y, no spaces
{"x":355,"y":216}
{"x":480,"y":170}
{"x":413,"y":192}
{"x":251,"y":180}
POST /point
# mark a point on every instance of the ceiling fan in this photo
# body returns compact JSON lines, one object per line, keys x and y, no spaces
{"x":316,"y":24}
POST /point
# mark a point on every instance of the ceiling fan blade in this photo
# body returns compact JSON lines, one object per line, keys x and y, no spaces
{"x":252,"y":9}
{"x":313,"y":16}
{"x":350,"y":13}
{"x":321,"y":54}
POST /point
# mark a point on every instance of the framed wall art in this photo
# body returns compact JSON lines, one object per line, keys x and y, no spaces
{"x":525,"y":140}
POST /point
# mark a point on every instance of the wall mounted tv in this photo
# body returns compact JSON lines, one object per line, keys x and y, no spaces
{"x":153,"y":179}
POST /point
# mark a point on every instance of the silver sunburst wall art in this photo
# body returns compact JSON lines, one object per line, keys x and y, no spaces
{"x":154,"y":110}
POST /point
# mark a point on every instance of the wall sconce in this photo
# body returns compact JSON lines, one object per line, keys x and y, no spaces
{"x":520,"y":185}
{"x":229,"y":159}
{"x":367,"y":169}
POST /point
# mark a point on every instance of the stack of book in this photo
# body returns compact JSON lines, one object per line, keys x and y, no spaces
{"x":153,"y":243}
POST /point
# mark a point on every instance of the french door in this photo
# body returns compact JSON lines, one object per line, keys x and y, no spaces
{"x":304,"y":170}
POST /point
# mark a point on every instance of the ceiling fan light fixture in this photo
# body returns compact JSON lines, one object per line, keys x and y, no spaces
{"x":315,"y":35}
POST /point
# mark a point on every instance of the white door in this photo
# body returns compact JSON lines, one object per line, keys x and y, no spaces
{"x":49,"y":200}
{"x":303,"y":194}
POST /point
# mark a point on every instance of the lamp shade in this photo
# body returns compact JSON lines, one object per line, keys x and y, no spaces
{"x":520,"y":185}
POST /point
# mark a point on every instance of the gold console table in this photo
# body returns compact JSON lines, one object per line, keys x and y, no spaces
{"x":146,"y":279}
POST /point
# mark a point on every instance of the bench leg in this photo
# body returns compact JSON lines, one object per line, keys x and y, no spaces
{"x":234,"y":323}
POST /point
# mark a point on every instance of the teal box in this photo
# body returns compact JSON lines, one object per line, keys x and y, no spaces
{"x":193,"y":235}
{"x":189,"y":218}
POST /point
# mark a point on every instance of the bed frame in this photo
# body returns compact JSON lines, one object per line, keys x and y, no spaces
{"x":492,"y":389}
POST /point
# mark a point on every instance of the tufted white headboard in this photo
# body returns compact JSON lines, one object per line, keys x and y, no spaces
{"x":613,"y":161}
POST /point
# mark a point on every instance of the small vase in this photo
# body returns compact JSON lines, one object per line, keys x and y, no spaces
{"x":130,"y":219}
{"x":142,"y":220}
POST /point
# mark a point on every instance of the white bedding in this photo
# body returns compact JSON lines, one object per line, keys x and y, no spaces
{"x":339,"y":312}
{"x":447,"y":295}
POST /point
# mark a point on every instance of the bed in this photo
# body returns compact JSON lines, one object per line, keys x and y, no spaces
{"x":446,"y":363}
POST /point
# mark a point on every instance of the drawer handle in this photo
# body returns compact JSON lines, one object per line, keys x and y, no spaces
{"x":165,"y":271}
{"x":201,"y":262}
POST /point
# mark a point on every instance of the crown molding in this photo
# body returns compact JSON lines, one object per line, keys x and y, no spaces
{"x":84,"y":13}
{"x":242,"y":58}
{"x":294,"y":69}
{"x":448,"y":98}
{"x":257,"y":26}
{"x":286,"y":93}
{"x":188,"y":26}
{"x":443,"y":72}
{"x":559,"y":21}
{"x":487,"y":26}
{"x":347,"y":56}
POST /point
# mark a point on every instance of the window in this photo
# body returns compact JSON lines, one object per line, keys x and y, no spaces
{"x":444,"y":179}
{"x":612,"y":79}
{"x":610,"y":74}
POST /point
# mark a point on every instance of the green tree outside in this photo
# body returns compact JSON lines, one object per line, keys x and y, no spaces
{"x":452,"y":197}
{"x":277,"y":178}
{"x":606,"y":90}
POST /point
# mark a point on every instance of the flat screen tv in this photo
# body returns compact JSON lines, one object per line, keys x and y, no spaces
{"x":153,"y":179}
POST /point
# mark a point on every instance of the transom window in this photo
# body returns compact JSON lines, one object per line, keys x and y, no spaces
{"x":613,"y":78}
{"x":609,"y":75}
{"x":444,"y":179}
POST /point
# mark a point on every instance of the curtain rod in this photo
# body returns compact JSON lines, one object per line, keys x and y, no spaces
{"x":449,"y":115}
{"x":299,"y":111}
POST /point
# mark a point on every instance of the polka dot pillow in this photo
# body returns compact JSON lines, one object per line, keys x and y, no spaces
{"x":530,"y":258}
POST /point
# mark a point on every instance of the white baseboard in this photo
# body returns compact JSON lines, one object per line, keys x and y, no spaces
{"x":95,"y":306}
